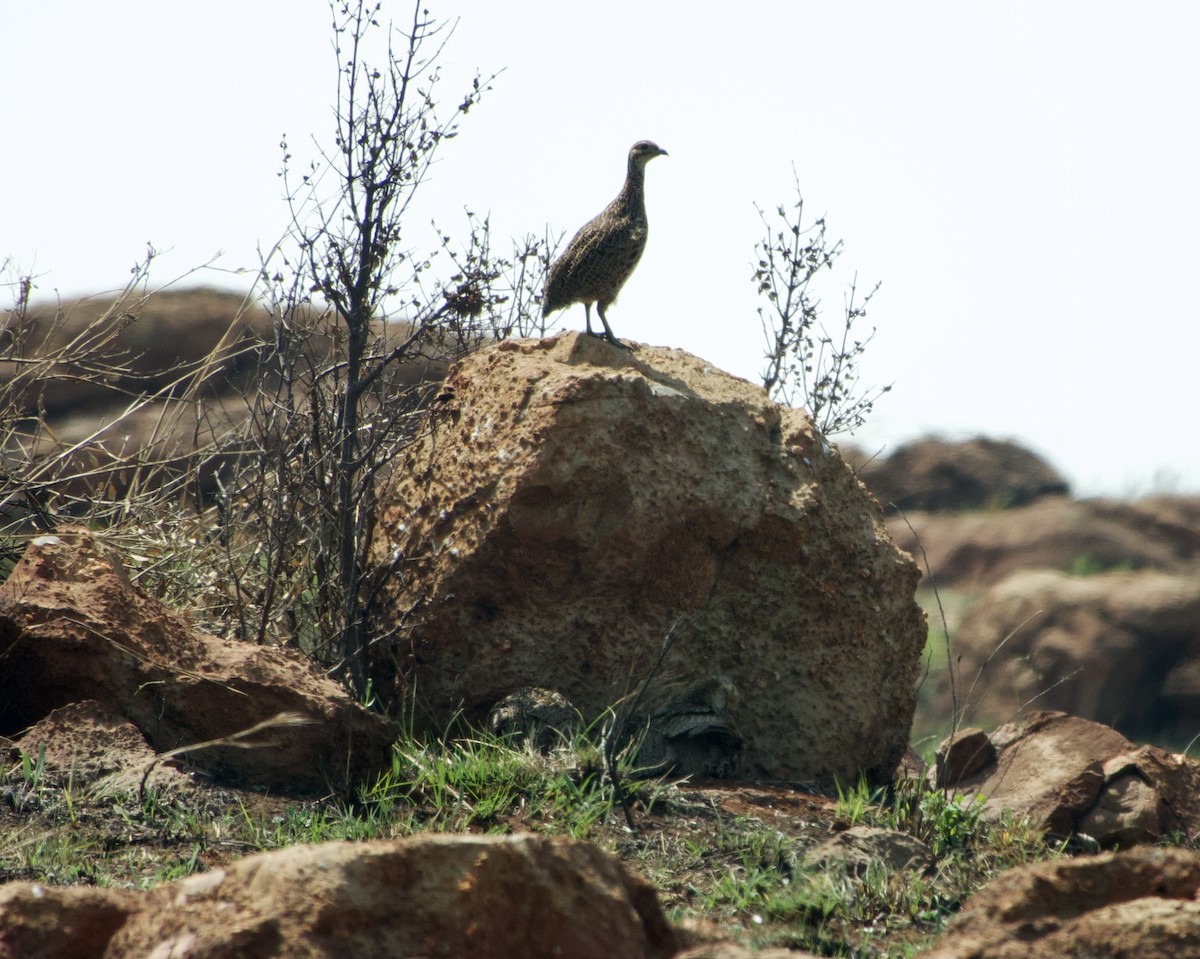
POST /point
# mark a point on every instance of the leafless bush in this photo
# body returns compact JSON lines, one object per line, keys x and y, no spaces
{"x":363,"y":329}
{"x":805,"y":363}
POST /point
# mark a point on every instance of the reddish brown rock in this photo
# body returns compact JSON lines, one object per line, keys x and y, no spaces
{"x":88,"y":741}
{"x":574,"y":505}
{"x":55,"y":922}
{"x":1069,"y":775}
{"x":73,"y":629}
{"x":962,"y":755}
{"x":432,"y":896}
{"x":1143,"y":902}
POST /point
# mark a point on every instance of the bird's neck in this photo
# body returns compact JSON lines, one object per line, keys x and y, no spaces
{"x":633,"y":196}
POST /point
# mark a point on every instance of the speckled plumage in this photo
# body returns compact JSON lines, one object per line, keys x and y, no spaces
{"x":602,"y":255}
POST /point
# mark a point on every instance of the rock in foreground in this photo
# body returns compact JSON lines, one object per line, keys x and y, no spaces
{"x":1068,"y":775}
{"x":1138,"y":903}
{"x":75,"y":632}
{"x":429,"y":896}
{"x":574,"y":504}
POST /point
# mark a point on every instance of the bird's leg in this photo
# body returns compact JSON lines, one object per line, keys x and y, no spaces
{"x":587,"y":314}
{"x":608,"y":333}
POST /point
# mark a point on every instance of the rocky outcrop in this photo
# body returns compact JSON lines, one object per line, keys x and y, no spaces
{"x":1144,"y":902}
{"x":974,"y":550}
{"x":81,"y":645}
{"x":1070,"y":776}
{"x":1120,"y":648}
{"x":938,"y":476}
{"x":489,"y":897}
{"x":574,"y":505}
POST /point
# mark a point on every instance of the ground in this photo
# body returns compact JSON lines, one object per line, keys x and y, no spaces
{"x":723,"y":855}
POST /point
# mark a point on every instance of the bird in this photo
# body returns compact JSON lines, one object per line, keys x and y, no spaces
{"x":693,"y":733}
{"x":602,"y":255}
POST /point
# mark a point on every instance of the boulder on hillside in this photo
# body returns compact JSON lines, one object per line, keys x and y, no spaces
{"x":435,"y":896}
{"x":973,"y":550}
{"x":1142,"y":902}
{"x":937,"y":476}
{"x":1120,"y":648}
{"x":574,"y":505}
{"x":74,"y":631}
{"x":1070,"y":776}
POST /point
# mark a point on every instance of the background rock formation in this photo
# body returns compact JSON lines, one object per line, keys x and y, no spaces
{"x":574,"y":504}
{"x":943,"y":476}
{"x":974,"y":550}
{"x":1122,"y":648}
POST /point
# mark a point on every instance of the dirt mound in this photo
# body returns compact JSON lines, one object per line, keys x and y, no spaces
{"x":574,"y":504}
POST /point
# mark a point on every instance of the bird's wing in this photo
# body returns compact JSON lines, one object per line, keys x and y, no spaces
{"x":595,"y":247}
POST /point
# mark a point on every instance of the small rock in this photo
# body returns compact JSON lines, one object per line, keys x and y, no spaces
{"x":856,"y":848}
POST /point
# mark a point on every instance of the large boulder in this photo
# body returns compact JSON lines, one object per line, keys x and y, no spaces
{"x":83,"y":647}
{"x":1143,"y":902}
{"x":573,"y":505}
{"x":1122,"y":648}
{"x":432,"y":896}
{"x":943,"y":475}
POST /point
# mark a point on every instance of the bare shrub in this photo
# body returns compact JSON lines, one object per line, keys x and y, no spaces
{"x":805,"y":363}
{"x":362,"y":331}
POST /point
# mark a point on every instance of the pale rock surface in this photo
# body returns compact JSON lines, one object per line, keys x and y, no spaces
{"x":489,"y":897}
{"x":1141,"y":902}
{"x":574,"y":504}
{"x":75,"y":630}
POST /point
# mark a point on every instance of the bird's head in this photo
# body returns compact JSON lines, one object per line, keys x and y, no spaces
{"x":643,"y":152}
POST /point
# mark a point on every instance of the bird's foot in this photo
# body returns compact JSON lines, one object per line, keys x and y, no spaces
{"x":608,"y":337}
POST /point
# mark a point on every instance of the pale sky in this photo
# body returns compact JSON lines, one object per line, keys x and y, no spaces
{"x":1020,"y":176}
